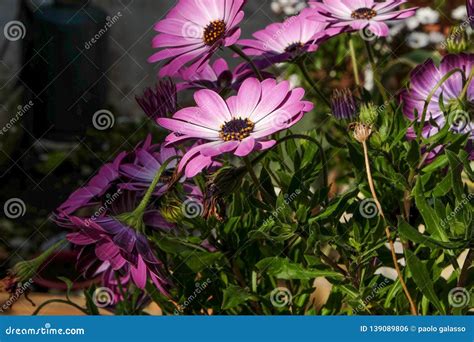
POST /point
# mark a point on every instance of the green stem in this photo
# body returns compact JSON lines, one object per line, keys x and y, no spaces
{"x":468,"y":82}
{"x":146,"y":199}
{"x":355,"y":66}
{"x":242,"y":54}
{"x":311,"y":82}
{"x":62,"y":301}
{"x":254,"y":177}
{"x":428,"y":101}
{"x":377,"y":79}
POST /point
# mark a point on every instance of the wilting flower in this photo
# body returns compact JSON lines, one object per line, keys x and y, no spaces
{"x":343,"y":104}
{"x":116,"y":244}
{"x":193,"y":30}
{"x":95,"y":188}
{"x":446,"y":105}
{"x":161,"y":101}
{"x":360,"y":15}
{"x":239,"y":125}
{"x":470,"y":11}
{"x":280,"y":42}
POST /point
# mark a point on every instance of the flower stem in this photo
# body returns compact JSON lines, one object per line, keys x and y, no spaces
{"x":355,"y":66}
{"x":140,"y":210}
{"x":254,"y":177}
{"x":387,"y":229}
{"x":377,"y":79}
{"x":311,"y":82}
{"x":242,"y":54}
{"x":468,"y":82}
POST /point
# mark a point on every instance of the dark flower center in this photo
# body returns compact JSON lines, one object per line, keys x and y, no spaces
{"x":214,"y":31}
{"x":236,"y":129}
{"x":294,"y":48}
{"x":363,"y":13}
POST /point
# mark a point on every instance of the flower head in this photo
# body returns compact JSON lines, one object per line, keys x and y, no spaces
{"x":452,"y":103}
{"x":238,"y":125}
{"x":116,"y":244}
{"x":193,"y":30}
{"x":356,"y":15}
{"x":161,"y":101}
{"x":280,"y":42}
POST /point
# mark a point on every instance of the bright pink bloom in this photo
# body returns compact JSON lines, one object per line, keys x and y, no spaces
{"x":280,"y":42}
{"x":238,"y":125}
{"x":193,"y":30}
{"x":361,"y":14}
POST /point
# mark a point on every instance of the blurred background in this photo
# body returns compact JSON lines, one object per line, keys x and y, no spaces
{"x":62,"y":62}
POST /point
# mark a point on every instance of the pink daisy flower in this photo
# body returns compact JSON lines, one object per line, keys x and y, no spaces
{"x":238,"y":125}
{"x":193,"y":30}
{"x":361,"y":14}
{"x":280,"y":42}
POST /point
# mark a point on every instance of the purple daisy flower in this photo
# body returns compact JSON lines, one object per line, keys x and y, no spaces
{"x":360,"y":14}
{"x":424,"y":79}
{"x":95,"y":188}
{"x":193,"y":30}
{"x":280,"y":42}
{"x":161,"y":101}
{"x":116,"y":245}
{"x":238,"y":125}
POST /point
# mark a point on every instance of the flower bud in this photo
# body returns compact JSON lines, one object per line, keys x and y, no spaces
{"x":343,"y":104}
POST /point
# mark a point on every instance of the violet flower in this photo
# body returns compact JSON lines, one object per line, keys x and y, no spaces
{"x":280,"y":42}
{"x":238,"y":125}
{"x":358,"y":15}
{"x":193,"y":30}
{"x":446,"y":105}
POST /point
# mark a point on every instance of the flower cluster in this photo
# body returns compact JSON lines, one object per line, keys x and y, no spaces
{"x":237,"y":113}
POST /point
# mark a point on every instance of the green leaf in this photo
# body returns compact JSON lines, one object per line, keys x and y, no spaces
{"x":337,"y":207}
{"x":198,"y":261}
{"x":235,"y":296}
{"x":410,"y":233}
{"x":423,"y":280}
{"x":456,"y":167}
{"x":431,"y":219}
{"x":283,"y":268}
